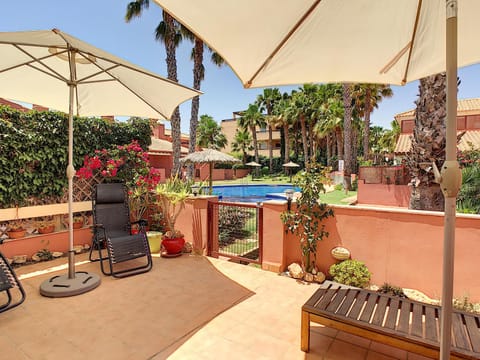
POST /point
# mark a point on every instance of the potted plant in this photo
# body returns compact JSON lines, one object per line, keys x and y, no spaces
{"x":78,"y":221}
{"x":45,"y":225}
{"x":171,"y":199}
{"x":16,"y":229}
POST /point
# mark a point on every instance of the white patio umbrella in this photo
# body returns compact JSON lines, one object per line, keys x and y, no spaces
{"x":38,"y":66}
{"x":369,"y":41}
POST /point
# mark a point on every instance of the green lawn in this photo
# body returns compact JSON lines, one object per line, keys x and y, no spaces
{"x":335,"y":197}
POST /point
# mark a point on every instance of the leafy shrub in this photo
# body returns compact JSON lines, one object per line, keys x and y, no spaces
{"x":338,"y":187}
{"x":388,"y":289}
{"x":351,"y":272}
{"x":231,"y":223}
{"x":464,"y":304}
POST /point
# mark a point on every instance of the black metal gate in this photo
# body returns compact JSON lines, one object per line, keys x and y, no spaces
{"x":235,"y":231}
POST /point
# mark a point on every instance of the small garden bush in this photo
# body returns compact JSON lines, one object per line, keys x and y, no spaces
{"x":231,"y":224}
{"x":392,"y":290}
{"x":351,"y":272}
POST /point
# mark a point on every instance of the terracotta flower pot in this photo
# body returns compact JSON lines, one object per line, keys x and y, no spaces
{"x":46,"y":230}
{"x":16,"y":234}
{"x":78,"y":224}
{"x":173,"y":246}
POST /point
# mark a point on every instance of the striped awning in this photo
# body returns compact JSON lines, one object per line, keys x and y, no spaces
{"x":469,"y":139}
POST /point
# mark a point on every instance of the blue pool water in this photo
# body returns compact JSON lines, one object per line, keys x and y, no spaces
{"x":251,"y":193}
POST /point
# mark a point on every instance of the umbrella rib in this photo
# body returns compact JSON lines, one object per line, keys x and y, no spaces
{"x":282,"y":42}
{"x":53,"y":73}
{"x":408,"y":47}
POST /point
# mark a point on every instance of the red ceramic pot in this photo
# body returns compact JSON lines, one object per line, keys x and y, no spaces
{"x":173,"y":246}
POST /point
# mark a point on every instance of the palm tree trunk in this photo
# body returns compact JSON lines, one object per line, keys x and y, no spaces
{"x":304,"y":140}
{"x":366,"y":130}
{"x":270,"y":147}
{"x":347,"y":131}
{"x":287,"y":143}
{"x":197,"y":78}
{"x":329,"y":149}
{"x":172,"y":75}
{"x":339,"y":137}
{"x":255,"y":145}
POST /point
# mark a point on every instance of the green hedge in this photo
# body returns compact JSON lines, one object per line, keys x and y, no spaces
{"x":33,"y":151}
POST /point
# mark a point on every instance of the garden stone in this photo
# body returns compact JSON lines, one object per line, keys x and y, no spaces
{"x":57,"y":254}
{"x":309,"y":277}
{"x":319,"y":277}
{"x":187,"y":248}
{"x":86,"y":246}
{"x":78,"y":249}
{"x":296,"y":271}
{"x":36,"y":258}
{"x":20,"y":259}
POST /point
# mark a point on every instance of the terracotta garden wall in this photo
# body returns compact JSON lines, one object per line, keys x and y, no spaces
{"x":401,"y":247}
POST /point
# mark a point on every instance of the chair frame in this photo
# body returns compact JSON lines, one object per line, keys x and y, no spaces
{"x":115,"y":245}
{"x":10,"y":284}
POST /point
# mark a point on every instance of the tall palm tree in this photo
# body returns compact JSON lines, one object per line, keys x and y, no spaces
{"x":209,"y":134}
{"x":251,"y":119}
{"x":282,"y":111}
{"x":428,"y":143}
{"x":168,"y":32}
{"x":242,"y":143}
{"x":267,"y":101}
{"x":347,"y":133}
{"x":198,"y":76}
{"x":367,"y":98}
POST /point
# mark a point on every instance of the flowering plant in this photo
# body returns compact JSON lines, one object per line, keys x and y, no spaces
{"x":130,"y":164}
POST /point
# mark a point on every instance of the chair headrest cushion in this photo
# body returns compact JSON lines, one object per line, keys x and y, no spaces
{"x":110,"y":193}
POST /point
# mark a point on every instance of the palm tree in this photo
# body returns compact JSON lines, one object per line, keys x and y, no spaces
{"x":367,"y":98}
{"x":250,"y":120}
{"x":267,"y":101}
{"x":347,"y":133}
{"x":198,"y":76}
{"x":209,"y":134}
{"x":428,"y":143}
{"x":242,"y":143}
{"x":168,"y":32}
{"x":282,"y":111}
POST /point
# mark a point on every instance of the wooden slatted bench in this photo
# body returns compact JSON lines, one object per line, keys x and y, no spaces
{"x":395,"y":321}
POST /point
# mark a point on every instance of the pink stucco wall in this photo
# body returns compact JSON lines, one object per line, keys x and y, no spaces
{"x":401,"y":247}
{"x":383,"y":194}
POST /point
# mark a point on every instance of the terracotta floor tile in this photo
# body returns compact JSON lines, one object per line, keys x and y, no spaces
{"x":190,"y":307}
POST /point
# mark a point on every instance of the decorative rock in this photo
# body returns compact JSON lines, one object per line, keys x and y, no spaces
{"x":296,"y":271}
{"x":57,"y":254}
{"x":314,"y":271}
{"x":319,"y":277}
{"x":187,"y":248}
{"x":86,"y":246}
{"x":20,"y":259}
{"x":36,"y":258}
{"x":340,"y":253}
{"x":78,"y":249}
{"x":309,"y":277}
{"x":10,"y":261}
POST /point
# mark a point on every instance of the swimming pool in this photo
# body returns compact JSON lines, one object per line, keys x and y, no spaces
{"x":251,"y":193}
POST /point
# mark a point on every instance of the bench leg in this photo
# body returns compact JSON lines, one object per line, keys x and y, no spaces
{"x":305,"y":332}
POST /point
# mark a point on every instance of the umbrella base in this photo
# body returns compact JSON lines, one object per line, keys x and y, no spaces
{"x":63,"y":286}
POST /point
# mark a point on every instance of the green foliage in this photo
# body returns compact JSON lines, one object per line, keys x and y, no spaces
{"x":464,"y":304}
{"x":469,"y":196}
{"x":351,"y":272}
{"x":33,"y":151}
{"x":231,"y":224}
{"x":388,"y":289}
{"x":338,"y":187}
{"x":305,"y":220}
{"x":209,"y":134}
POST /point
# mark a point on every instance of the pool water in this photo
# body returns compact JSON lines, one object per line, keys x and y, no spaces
{"x":251,"y":193}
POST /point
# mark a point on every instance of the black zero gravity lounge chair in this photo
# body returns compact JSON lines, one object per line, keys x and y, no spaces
{"x":127,"y":254}
{"x":11,"y":291}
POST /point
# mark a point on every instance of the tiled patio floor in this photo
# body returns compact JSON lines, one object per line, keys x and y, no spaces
{"x":190,"y":307}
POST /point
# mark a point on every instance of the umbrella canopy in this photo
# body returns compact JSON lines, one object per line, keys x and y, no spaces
{"x":290,"y":164}
{"x":39,"y":66}
{"x":253,"y":163}
{"x":211,"y":157}
{"x":368,"y":41}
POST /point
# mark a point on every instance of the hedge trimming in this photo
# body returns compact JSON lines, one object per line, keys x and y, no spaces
{"x":33,"y":151}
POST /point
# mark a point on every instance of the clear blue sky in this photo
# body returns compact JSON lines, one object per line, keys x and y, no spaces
{"x":101,"y":23}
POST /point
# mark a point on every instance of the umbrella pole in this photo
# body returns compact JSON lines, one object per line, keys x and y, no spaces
{"x":73,"y":283}
{"x":70,"y":174}
{"x":451,"y":179}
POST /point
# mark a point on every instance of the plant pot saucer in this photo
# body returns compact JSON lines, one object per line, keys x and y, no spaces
{"x":164,"y":254}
